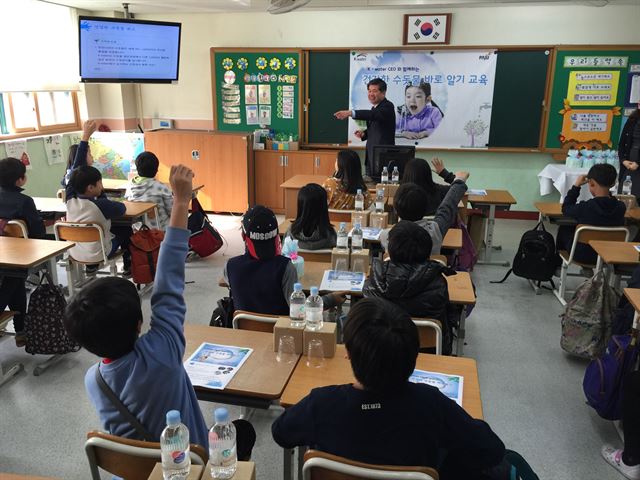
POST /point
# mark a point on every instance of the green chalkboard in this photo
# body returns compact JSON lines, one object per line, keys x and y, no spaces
{"x":257,"y":89}
{"x":327,"y":93}
{"x":519,"y":89}
{"x":518,"y":98}
{"x":577,"y":120}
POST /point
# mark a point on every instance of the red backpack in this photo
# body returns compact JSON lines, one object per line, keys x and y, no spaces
{"x":205,"y":239}
{"x":145,"y":248}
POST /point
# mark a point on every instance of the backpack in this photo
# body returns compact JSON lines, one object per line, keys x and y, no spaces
{"x":204,"y":239}
{"x":145,"y":248}
{"x":586,"y":321}
{"x":43,"y":322}
{"x":536,"y":258}
{"x":604,"y":376}
{"x":467,"y":256}
{"x":222,"y":315}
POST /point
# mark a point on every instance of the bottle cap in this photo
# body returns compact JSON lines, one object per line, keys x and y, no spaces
{"x":221,"y":415}
{"x":297,"y":287}
{"x":357,"y":225}
{"x":173,"y":417}
{"x":314,"y":290}
{"x":343,"y":225}
{"x":359,"y":191}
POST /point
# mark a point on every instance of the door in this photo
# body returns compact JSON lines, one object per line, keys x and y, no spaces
{"x":324,"y":163}
{"x":269,"y":175}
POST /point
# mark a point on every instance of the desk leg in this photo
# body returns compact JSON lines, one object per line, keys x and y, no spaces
{"x":287,"y":454}
{"x":10,"y":372}
{"x":461,"y":332}
{"x":53,"y":269}
{"x":301,"y":452}
{"x":488,"y":243}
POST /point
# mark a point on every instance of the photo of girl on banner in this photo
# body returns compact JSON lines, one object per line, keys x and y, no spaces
{"x":443,"y":98}
{"x":420,"y":115}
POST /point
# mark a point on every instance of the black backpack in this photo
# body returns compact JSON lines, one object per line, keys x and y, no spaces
{"x":536,"y":258}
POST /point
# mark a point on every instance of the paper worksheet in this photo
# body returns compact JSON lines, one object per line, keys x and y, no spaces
{"x":449,"y":385}
{"x":213,"y":365}
{"x":338,"y":281}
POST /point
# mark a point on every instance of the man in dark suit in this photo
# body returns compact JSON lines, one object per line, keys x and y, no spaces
{"x":381,"y":121}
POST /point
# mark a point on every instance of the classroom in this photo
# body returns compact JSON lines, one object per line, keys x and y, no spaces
{"x":520,"y":381}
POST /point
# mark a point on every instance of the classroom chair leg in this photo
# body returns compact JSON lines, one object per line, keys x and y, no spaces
{"x":287,"y":454}
{"x":41,"y":367}
{"x":461,"y":332}
{"x":562,"y":287}
{"x":10,"y":372}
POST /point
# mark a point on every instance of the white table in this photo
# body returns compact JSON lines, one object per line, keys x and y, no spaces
{"x":562,"y":178}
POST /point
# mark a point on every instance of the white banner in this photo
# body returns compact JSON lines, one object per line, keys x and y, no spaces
{"x":443,"y":98}
{"x":18,"y":149}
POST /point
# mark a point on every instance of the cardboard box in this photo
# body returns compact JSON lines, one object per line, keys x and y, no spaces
{"x":389,"y":189}
{"x":361,"y":217}
{"x":360,"y":260}
{"x":379,"y":220}
{"x":328,"y":334}
{"x":337,"y":254}
{"x":283,"y":327}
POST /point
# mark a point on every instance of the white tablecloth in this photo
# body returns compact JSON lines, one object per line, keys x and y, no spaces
{"x":562,"y":178}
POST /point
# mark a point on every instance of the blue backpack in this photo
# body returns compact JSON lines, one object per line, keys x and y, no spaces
{"x":604,"y":376}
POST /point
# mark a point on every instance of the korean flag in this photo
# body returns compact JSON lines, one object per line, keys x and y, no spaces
{"x":427,"y":29}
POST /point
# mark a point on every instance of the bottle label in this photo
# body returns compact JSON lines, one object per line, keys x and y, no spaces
{"x":380,"y":206}
{"x":296,"y":311}
{"x":359,"y":204}
{"x":175,"y":459}
{"x":342,"y":242}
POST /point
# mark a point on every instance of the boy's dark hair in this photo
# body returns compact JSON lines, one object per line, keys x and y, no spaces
{"x":378,"y":82}
{"x":603,"y":174}
{"x":11,"y":170}
{"x":409,"y":243}
{"x":84,"y":176}
{"x":382,"y":342}
{"x":410,"y":202}
{"x":103,"y":317}
{"x":147,"y":164}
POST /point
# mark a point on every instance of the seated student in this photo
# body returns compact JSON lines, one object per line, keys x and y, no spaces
{"x":79,"y":154}
{"x":144,"y":371}
{"x":312,"y":227}
{"x":15,"y":205}
{"x":343,"y":186}
{"x":410,"y":201}
{"x":409,"y":278}
{"x":603,"y":210}
{"x":90,"y":204}
{"x":382,"y":418}
{"x":418,"y":171}
{"x":145,"y":188}
{"x":262,"y":280}
{"x":627,"y":460}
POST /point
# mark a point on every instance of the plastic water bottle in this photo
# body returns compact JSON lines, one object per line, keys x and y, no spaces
{"x":395,"y":175}
{"x":384,"y":177}
{"x":223,"y":458}
{"x":356,"y":238}
{"x":359,"y":201}
{"x":174,"y":444}
{"x":296,"y":306}
{"x":313,"y":310}
{"x":380,"y":201}
{"x":343,"y":238}
{"x":626,"y":186}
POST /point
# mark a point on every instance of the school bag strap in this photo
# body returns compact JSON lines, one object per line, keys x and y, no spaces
{"x":133,"y":421}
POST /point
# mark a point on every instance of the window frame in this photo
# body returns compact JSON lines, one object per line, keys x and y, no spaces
{"x":40,"y":129}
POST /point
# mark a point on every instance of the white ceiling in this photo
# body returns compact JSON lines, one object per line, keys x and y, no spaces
{"x":209,"y":6}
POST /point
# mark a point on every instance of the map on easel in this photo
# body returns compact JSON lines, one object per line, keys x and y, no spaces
{"x":114,"y":154}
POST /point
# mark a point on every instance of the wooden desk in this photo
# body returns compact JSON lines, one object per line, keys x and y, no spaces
{"x":55,"y":205}
{"x":553,"y":210}
{"x":245,"y":471}
{"x":50,"y":205}
{"x":452,"y":239}
{"x":260,"y":380}
{"x":15,"y":476}
{"x":291,"y":188}
{"x":492,"y":199}
{"x":616,"y":253}
{"x":29,"y":252}
{"x":137,"y":209}
{"x":337,"y":371}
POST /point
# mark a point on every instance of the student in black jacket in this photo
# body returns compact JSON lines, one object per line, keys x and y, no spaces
{"x":15,"y":205}
{"x":382,"y":418}
{"x":603,"y":210}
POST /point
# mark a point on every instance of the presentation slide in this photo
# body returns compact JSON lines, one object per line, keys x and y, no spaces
{"x":124,"y":50}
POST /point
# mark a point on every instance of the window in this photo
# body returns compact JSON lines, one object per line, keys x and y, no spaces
{"x":29,"y":113}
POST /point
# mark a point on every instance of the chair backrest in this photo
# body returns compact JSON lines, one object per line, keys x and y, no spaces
{"x":430,"y":333}
{"x":6,"y":317}
{"x":257,"y":322}
{"x":322,"y":255}
{"x":79,"y":233}
{"x":16,"y":228}
{"x":324,"y":466}
{"x":586,"y":233}
{"x":126,"y":458}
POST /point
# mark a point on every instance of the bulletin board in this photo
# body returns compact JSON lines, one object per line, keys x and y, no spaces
{"x":257,"y":88}
{"x":593,"y":92}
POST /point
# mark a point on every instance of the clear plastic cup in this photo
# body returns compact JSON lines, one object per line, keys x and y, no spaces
{"x":286,"y":349}
{"x":315,"y":353}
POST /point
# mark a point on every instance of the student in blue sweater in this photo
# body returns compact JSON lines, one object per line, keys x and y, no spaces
{"x":144,"y":371}
{"x":381,"y":418}
{"x":603,"y":210}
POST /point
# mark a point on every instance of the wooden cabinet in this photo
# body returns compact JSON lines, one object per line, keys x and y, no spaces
{"x":223,"y":162}
{"x":272,"y":168}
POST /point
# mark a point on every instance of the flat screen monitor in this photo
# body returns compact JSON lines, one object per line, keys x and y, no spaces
{"x":391,"y":156}
{"x":114,"y":50}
